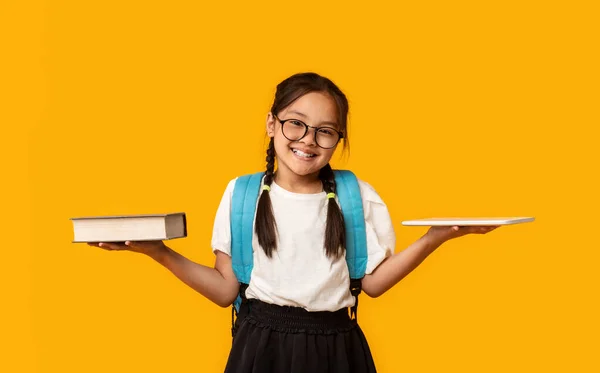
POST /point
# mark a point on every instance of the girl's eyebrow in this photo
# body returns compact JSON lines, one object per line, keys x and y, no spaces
{"x":305,"y":116}
{"x":298,"y":113}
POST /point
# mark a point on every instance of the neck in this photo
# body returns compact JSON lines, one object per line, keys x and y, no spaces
{"x":307,"y":184}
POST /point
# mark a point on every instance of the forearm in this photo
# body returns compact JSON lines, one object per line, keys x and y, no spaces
{"x":395,"y":268}
{"x":218,"y":287}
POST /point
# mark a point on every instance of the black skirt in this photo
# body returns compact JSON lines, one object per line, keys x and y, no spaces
{"x":270,"y":338}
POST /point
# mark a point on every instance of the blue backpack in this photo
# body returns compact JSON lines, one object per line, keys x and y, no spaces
{"x":243,"y":209}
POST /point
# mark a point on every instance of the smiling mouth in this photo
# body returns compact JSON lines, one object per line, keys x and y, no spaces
{"x":302,"y":154}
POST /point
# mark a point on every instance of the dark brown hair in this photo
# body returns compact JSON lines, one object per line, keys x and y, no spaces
{"x":287,"y":92}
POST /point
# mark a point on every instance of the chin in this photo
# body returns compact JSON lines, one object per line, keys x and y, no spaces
{"x":306,"y":170}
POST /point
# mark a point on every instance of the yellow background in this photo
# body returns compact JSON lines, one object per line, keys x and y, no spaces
{"x":457,"y":108}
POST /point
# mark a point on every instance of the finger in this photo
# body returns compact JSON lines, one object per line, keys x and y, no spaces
{"x":134,"y":245}
{"x":143,"y":244}
{"x":137,"y":244}
{"x":488,"y":229}
{"x":151,"y":242}
{"x":105,"y":246}
{"x":111,"y":246}
{"x":477,"y":229}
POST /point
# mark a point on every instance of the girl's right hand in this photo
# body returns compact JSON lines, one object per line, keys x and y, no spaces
{"x":150,"y":248}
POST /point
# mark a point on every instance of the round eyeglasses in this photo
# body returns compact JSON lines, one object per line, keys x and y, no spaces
{"x":295,"y":130}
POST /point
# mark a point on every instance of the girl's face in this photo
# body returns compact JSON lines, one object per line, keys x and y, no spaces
{"x":303,"y":157}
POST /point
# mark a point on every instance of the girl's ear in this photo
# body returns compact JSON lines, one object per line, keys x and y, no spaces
{"x":270,"y":125}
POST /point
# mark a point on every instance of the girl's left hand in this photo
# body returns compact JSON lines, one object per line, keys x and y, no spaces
{"x":445,"y":233}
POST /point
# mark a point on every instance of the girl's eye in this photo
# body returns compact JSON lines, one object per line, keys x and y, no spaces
{"x":326,"y":131}
{"x":297,"y":123}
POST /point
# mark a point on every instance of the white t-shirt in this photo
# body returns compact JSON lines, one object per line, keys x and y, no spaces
{"x":299,"y":273}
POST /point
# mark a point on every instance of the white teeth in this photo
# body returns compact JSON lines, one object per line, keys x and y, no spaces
{"x":302,"y":154}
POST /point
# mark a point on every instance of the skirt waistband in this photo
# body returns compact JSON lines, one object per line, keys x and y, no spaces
{"x":295,"y":319}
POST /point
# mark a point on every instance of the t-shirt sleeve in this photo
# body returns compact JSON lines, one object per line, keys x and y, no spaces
{"x":381,"y":238}
{"x":221,"y":236}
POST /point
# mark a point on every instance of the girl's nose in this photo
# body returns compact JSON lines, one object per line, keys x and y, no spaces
{"x":309,"y":138}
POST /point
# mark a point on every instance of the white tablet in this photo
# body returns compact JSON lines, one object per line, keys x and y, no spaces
{"x":463,"y":221}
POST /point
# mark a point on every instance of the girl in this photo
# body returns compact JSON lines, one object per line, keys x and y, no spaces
{"x":294,"y":316}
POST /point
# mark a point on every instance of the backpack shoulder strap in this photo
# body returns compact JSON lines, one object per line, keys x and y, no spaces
{"x":348,"y":191}
{"x":243,"y":209}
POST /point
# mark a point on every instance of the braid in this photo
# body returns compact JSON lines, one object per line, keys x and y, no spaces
{"x":335,"y":233}
{"x":270,"y":163}
{"x":265,"y":226}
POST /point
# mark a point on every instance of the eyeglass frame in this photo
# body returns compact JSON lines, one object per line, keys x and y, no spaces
{"x":306,"y":127}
